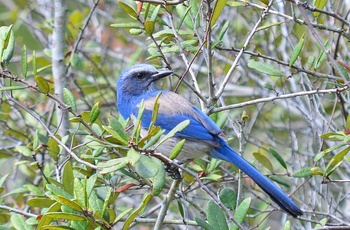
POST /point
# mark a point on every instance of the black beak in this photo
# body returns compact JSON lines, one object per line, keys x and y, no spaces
{"x":161,"y":74}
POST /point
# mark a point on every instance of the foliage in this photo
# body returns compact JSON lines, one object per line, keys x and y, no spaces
{"x":275,"y":78}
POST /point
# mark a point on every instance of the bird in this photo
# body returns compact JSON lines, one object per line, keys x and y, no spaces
{"x":202,"y":136}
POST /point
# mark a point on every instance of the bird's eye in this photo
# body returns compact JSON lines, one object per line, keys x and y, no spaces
{"x":139,"y":75}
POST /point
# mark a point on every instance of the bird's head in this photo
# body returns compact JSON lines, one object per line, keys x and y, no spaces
{"x":139,"y":79}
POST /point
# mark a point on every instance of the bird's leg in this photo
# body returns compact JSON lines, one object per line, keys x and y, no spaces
{"x":173,"y":170}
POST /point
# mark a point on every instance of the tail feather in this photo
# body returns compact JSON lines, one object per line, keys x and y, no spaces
{"x":226,"y":153}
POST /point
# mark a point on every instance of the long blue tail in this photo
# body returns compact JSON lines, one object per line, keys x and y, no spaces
{"x":226,"y":153}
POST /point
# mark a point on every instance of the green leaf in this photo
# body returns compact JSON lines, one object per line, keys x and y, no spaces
{"x":19,"y":223}
{"x":203,"y":224}
{"x":69,"y":99}
{"x":317,"y":171}
{"x":115,"y":134}
{"x":24,"y":151}
{"x":322,"y":56}
{"x":184,"y":14}
{"x":90,"y":184}
{"x":134,"y":214}
{"x":324,"y":152}
{"x":279,"y":180}
{"x":15,"y":192}
{"x":40,"y":202}
{"x":241,"y":212}
{"x":35,"y":191}
{"x":287,"y":225}
{"x":216,"y":216}
{"x":24,"y":61}
{"x":155,"y":111}
{"x":95,"y":112}
{"x":137,"y":124}
{"x":219,"y":6}
{"x":178,"y":128}
{"x":269,"y":87}
{"x":9,"y":88}
{"x":302,"y":173}
{"x":68,"y":178}
{"x":35,"y":71}
{"x":223,"y":30}
{"x":74,"y":60}
{"x":263,"y":160}
{"x":264,"y":27}
{"x":127,"y":25}
{"x":265,"y":68}
{"x":233,"y":3}
{"x":181,"y":208}
{"x":149,"y":27}
{"x":336,"y":161}
{"x":112,"y":165}
{"x":347,"y":126}
{"x":134,"y":31}
{"x":229,"y":198}
{"x":322,"y":223}
{"x":42,"y":84}
{"x":3,"y":179}
{"x":155,"y":13}
{"x":278,"y":157}
{"x":311,"y":61}
{"x":212,"y":176}
{"x":133,"y":156}
{"x":153,"y":138}
{"x":70,"y":204}
{"x":95,"y":204}
{"x":177,"y":149}
{"x":80,"y":191}
{"x":296,"y":51}
{"x":36,"y":140}
{"x":129,"y":10}
{"x":121,"y":215}
{"x":106,"y":201}
{"x":7,"y":43}
{"x":333,"y":136}
{"x":64,"y":216}
{"x":119,"y":127}
{"x":53,"y":149}
{"x":320,"y":4}
{"x":145,"y":167}
{"x":58,"y":191}
{"x":159,"y":178}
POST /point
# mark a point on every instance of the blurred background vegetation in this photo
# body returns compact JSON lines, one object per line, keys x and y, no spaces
{"x":274,"y":75}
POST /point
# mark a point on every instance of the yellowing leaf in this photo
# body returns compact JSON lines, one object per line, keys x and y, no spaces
{"x":320,"y":4}
{"x":42,"y":84}
{"x":219,"y":6}
{"x":128,"y":9}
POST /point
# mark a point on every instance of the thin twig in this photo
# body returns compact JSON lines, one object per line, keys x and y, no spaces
{"x":165,"y":204}
{"x":279,"y":97}
{"x":18,"y":211}
{"x":239,"y":55}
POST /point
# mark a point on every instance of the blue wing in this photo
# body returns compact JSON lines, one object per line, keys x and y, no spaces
{"x":175,"y":109}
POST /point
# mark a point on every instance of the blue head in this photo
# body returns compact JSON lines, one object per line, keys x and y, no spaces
{"x":134,"y":83}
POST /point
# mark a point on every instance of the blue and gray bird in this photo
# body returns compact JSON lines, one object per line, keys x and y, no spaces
{"x":203,"y":137}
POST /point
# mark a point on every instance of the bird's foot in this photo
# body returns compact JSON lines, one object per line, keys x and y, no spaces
{"x":173,"y":172}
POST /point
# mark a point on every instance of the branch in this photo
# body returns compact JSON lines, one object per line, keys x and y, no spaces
{"x":52,"y":135}
{"x":163,"y":2}
{"x":18,"y":211}
{"x":279,"y":97}
{"x":165,"y":204}
{"x":58,"y":63}
{"x":239,"y":55}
